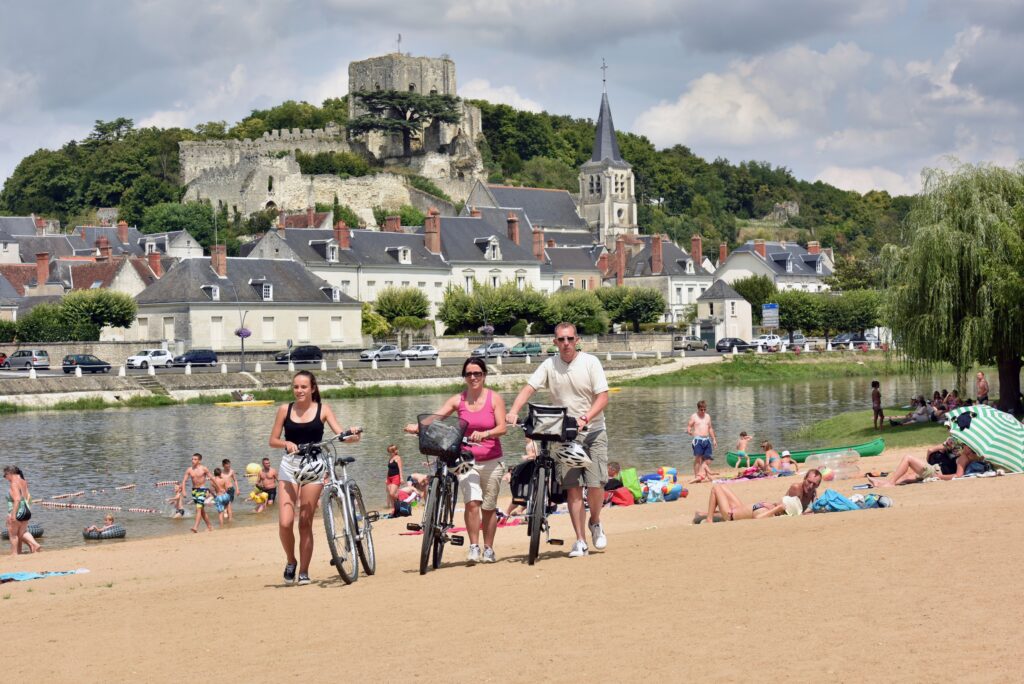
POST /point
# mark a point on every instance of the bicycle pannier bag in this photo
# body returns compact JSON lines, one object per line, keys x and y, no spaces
{"x":547,"y":423}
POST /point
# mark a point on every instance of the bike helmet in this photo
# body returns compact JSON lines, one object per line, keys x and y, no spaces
{"x":313,"y":469}
{"x":462,"y":465}
{"x":572,"y":455}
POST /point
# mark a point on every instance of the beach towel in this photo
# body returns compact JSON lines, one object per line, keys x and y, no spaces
{"x":832,"y":501}
{"x":631,"y":481}
{"x":25,"y":576}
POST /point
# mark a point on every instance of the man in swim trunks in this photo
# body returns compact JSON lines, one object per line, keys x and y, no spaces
{"x":199,"y":474}
{"x":221,"y":498}
{"x":232,"y":481}
{"x":267,"y":482}
{"x":982,"y":390}
{"x":704,"y":440}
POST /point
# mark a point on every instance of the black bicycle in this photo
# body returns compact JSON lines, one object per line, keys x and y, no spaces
{"x":443,"y":438}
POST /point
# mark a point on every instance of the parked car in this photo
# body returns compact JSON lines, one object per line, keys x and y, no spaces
{"x":28,"y":358}
{"x":384,"y":351}
{"x":525,"y":349}
{"x":726,"y":345}
{"x":553,"y":348}
{"x":768,"y":342}
{"x":491,"y":349}
{"x":305,"y":353}
{"x":419,"y":351}
{"x":688,"y":342}
{"x":87,"y":362}
{"x":856,"y":338}
{"x":798,"y":339}
{"x":158,"y":358}
{"x":197,"y":357}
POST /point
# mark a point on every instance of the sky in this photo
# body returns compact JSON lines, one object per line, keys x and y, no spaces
{"x":863,"y":94}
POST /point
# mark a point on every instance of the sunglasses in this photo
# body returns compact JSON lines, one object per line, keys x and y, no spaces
{"x":565,"y":339}
{"x":473,"y":374}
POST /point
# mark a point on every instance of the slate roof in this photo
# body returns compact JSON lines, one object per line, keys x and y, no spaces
{"x":19,"y":275}
{"x":55,"y":245}
{"x":464,"y":239}
{"x":90,"y":234}
{"x":497,"y":218}
{"x":673,"y":257}
{"x":804,"y":263}
{"x":17,"y":225}
{"x":606,"y":145}
{"x":719,"y":290}
{"x":573,"y":258}
{"x":141,"y":266}
{"x":368,"y":248}
{"x":293,"y":283}
{"x":574,"y":238}
{"x":545,"y":207}
{"x":161,"y":240}
{"x":7,"y":291}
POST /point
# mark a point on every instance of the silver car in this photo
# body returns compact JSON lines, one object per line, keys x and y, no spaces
{"x":381,"y":353}
{"x":419,"y":351}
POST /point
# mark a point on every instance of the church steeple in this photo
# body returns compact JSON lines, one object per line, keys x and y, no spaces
{"x":606,"y":145}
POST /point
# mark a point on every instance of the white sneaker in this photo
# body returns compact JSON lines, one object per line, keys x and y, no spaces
{"x":597,"y":534}
{"x":489,"y":556}
{"x":473,"y":557}
{"x":579,"y":549}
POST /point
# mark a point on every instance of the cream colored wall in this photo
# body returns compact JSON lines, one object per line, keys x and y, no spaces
{"x":592,"y":278}
{"x":285,"y":326}
{"x":505,"y":272}
{"x":735,"y":317}
{"x":10,"y":252}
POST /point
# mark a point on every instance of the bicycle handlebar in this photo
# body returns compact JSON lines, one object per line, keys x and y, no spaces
{"x":305,"y":449}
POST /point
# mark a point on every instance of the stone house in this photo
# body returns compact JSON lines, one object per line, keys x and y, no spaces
{"x":789,"y":265}
{"x":202,"y":301}
{"x":577,"y":267}
{"x":723,"y":312}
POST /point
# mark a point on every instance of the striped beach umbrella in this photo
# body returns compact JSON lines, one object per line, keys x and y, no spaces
{"x":994,"y":434}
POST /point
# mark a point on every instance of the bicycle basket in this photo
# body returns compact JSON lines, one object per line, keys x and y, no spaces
{"x":441,"y":436}
{"x":549,"y":424}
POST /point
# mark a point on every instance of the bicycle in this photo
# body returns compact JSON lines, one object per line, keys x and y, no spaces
{"x":348,"y":525}
{"x":443,"y":438}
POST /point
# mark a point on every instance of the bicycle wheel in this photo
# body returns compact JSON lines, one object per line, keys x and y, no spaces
{"x":538,"y":510}
{"x":445,"y":518}
{"x":340,"y":540}
{"x":429,"y":525}
{"x":363,"y":530}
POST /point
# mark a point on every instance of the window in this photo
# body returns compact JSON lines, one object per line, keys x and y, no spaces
{"x":267,"y":329}
{"x":711,"y":308}
{"x":438,"y":285}
{"x":817,"y":266}
{"x":270,"y":184}
{"x":732,"y":308}
{"x":215,"y":293}
{"x":6,"y":246}
{"x":405,"y":255}
{"x":168,"y":327}
{"x":336,"y":334}
{"x":268,"y":292}
{"x":689,"y":265}
{"x":389,"y":283}
{"x":520,"y":282}
{"x":142,"y":327}
{"x":335,"y":294}
{"x":789,"y":265}
{"x":679,"y":296}
{"x":302,"y":330}
{"x":572,"y":283}
{"x":423,"y":284}
{"x":703,"y":290}
{"x":217,"y":332}
{"x":468,"y":278}
{"x":150,"y":247}
{"x":96,"y":284}
{"x":583,"y":283}
{"x":689,"y":295}
{"x":405,"y":283}
{"x":412,"y":87}
{"x":345,"y":285}
{"x":332,"y":253}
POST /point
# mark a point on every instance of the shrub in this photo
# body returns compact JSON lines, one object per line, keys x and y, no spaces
{"x":8,"y":331}
{"x":424,"y":185}
{"x":519,"y":328}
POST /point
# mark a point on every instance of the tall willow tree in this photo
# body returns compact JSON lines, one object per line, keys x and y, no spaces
{"x":956,"y":293}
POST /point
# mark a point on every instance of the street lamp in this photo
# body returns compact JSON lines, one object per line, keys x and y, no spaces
{"x":242,"y":332}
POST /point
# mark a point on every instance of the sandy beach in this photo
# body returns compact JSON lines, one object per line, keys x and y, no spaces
{"x":928,"y":590}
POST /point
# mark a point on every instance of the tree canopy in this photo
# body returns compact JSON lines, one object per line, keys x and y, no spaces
{"x":399,"y":111}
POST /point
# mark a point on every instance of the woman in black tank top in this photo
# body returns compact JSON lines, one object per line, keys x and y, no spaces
{"x":300,"y":422}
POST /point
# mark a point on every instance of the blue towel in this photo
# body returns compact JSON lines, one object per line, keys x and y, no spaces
{"x":26,"y":576}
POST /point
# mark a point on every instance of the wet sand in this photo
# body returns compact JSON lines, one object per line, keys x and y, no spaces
{"x":928,"y":590}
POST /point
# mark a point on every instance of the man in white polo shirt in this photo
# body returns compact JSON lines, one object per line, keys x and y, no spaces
{"x":576,"y":381}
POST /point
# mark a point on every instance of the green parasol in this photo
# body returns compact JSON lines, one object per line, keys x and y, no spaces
{"x":994,"y":434}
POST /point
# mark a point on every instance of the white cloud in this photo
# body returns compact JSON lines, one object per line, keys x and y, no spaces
{"x":334,"y":84}
{"x":17,"y":89}
{"x":870,"y":178}
{"x":481,"y":89}
{"x":204,"y":107}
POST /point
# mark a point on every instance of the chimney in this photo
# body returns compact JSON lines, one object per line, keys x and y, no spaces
{"x":697,"y":249}
{"x":475,"y":213}
{"x":154,"y":264}
{"x":40,"y":225}
{"x":393,"y":224}
{"x":432,"y":231}
{"x":122,"y":231}
{"x":103,"y":246}
{"x":42,"y":268}
{"x":657,"y":257}
{"x":602,"y":263}
{"x":82,"y":230}
{"x":280,"y":220}
{"x":219,"y":260}
{"x":310,"y":216}
{"x":814,"y":247}
{"x":723,"y":252}
{"x":620,"y":260}
{"x":760,"y":249}
{"x":342,"y":235}
{"x":538,"y":245}
{"x":513,"y":226}
{"x":551,"y":242}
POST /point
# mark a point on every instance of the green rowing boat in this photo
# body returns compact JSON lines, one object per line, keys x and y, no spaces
{"x":872,"y":448}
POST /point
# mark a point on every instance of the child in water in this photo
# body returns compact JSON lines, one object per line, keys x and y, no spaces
{"x":179,"y":508}
{"x":108,"y":523}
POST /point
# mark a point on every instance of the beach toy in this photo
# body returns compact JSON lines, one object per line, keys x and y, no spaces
{"x":258,"y":497}
{"x":650,"y":476}
{"x":827,"y":474}
{"x":667,"y":473}
{"x":252,"y":469}
{"x":673,"y":492}
{"x":115,"y":532}
{"x":35,"y":529}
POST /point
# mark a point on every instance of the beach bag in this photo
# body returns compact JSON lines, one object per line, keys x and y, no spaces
{"x":622,"y":497}
{"x":402,"y":509}
{"x":631,"y":481}
{"x":832,"y":501}
{"x":24,"y":512}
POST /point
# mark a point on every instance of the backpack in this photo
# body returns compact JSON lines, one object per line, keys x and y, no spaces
{"x":831,"y":501}
{"x":631,"y":481}
{"x":402,"y":509}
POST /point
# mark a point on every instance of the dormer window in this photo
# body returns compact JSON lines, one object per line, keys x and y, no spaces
{"x":150,"y":247}
{"x":789,"y":265}
{"x":332,"y":253}
{"x":268,"y":292}
{"x":405,"y":255}
{"x":689,"y":266}
{"x":334,"y":293}
{"x":817,"y":266}
{"x":213,"y":291}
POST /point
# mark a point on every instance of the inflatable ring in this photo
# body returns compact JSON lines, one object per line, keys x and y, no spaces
{"x":35,"y":529}
{"x":115,"y":532}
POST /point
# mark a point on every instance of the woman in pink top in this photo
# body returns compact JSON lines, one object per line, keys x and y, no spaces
{"x":484,"y":411}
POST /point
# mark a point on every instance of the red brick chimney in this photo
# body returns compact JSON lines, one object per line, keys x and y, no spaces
{"x":723,"y":252}
{"x":393,"y":224}
{"x":760,"y":248}
{"x":538,"y":245}
{"x":310,"y":217}
{"x":475,"y":213}
{"x":81,"y":229}
{"x":620,"y":260}
{"x":154,"y":264}
{"x":432,"y":231}
{"x":602,"y":263}
{"x":42,"y":268}
{"x":513,"y":226}
{"x":122,"y":231}
{"x":40,"y":225}
{"x":342,"y":235}
{"x":814,"y":247}
{"x":657,"y":256}
{"x":103,"y":246}
{"x":219,"y":260}
{"x":697,"y":249}
{"x":551,"y":242}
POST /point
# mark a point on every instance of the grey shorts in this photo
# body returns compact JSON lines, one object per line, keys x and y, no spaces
{"x":594,"y":475}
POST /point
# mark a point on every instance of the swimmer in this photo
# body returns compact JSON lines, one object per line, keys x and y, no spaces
{"x":178,"y":501}
{"x":199,"y":474}
{"x":108,"y":523}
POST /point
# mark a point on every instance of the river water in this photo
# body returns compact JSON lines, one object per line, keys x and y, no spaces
{"x":68,"y":451}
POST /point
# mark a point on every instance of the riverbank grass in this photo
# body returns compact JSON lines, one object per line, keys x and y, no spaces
{"x":752,"y":368}
{"x":854,"y":427}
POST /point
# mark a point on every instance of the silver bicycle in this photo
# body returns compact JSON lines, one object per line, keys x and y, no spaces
{"x":348,"y":524}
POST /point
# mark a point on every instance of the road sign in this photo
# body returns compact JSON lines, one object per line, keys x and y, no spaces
{"x":770,"y":315}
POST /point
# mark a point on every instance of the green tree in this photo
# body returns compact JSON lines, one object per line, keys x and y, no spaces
{"x":195,"y":217}
{"x":342,"y":164}
{"x":582,"y":308}
{"x":612,"y":300}
{"x":144,"y":192}
{"x":545,"y":172}
{"x":398,"y":302}
{"x":798,"y":310}
{"x":643,"y":305}
{"x":408,"y":214}
{"x":855,"y":273}
{"x":956,"y":292}
{"x":757,"y":290}
{"x":8,"y":331}
{"x":99,"y":308}
{"x":396,"y":111}
{"x":373,"y":324}
{"x":861,"y":309}
{"x":48,"y":323}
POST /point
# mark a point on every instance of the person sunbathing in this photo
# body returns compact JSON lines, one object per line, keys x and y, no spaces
{"x":920,"y":413}
{"x":913,"y":469}
{"x":799,"y":496}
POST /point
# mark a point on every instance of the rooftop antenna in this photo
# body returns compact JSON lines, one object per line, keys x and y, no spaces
{"x":604,"y":76}
{"x":399,"y":43}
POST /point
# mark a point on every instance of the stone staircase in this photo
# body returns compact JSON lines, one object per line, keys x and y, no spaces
{"x":152,"y":384}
